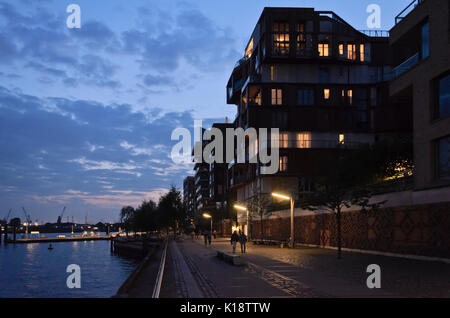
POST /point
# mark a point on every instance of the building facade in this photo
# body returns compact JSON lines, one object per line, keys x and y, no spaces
{"x":322,"y":83}
{"x":420,"y":46}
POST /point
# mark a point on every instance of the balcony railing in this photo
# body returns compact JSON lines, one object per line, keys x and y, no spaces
{"x":406,"y":65}
{"x":376,"y":33}
{"x":408,"y":10}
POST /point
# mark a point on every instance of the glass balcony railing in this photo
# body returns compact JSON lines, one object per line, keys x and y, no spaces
{"x":406,"y":65}
{"x":408,"y":10}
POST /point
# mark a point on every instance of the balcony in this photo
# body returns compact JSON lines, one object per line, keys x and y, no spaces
{"x":411,"y":7}
{"x":405,"y":66}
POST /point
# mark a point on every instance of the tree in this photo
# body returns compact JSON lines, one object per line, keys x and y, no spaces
{"x":145,"y":218}
{"x":126,"y":217}
{"x":171,"y":209}
{"x":257,"y":204}
{"x":345,"y":182}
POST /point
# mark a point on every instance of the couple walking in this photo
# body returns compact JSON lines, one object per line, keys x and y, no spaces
{"x":241,"y":238}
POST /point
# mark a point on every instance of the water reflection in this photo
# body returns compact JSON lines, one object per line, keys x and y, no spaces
{"x":31,"y":270}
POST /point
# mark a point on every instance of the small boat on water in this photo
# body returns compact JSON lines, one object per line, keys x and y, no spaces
{"x":50,"y":247}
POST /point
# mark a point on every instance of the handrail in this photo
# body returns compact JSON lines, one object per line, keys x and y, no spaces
{"x":159,"y":278}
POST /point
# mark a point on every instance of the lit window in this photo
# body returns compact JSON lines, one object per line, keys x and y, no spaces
{"x":361,"y":52}
{"x":351,"y":51}
{"x":249,"y":50}
{"x":284,"y":140}
{"x":272,"y":72}
{"x":341,"y":139}
{"x":283,"y":163}
{"x":277,"y":96}
{"x":341,"y":49}
{"x":326,"y":94}
{"x":350,"y":96}
{"x":281,"y":38}
{"x":323,"y":49}
{"x":303,"y":140}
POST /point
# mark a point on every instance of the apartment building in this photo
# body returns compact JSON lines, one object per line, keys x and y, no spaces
{"x":189,"y":198}
{"x":322,"y":83}
{"x":420,"y":45}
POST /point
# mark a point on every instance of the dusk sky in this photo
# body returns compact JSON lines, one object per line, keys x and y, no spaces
{"x":86,"y":114}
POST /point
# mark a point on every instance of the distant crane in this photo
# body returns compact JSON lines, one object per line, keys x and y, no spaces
{"x":27,"y":216}
{"x":61,"y":216}
{"x":7,"y":216}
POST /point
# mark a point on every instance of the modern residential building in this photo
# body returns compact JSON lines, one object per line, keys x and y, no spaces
{"x":420,"y":44}
{"x":322,"y":83}
{"x":189,"y":198}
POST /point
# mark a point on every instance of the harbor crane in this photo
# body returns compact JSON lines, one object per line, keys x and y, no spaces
{"x":27,"y":216}
{"x":61,"y":216}
{"x":7,"y":216}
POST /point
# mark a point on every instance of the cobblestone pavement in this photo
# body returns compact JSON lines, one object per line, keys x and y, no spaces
{"x":214,"y":278}
{"x":320,"y":272}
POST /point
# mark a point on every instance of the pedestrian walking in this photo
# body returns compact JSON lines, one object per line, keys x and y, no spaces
{"x":214,"y":234}
{"x":205,"y":237}
{"x":234,"y":239}
{"x":243,"y":241}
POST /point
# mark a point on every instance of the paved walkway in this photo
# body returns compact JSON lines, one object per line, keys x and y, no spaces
{"x":310,"y":272}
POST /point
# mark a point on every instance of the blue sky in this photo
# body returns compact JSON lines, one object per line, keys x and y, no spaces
{"x":86,"y":114}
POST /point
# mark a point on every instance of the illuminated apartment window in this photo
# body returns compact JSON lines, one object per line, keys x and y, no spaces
{"x":258,"y":98}
{"x":284,"y":140}
{"x":283,"y":163}
{"x":324,"y":49}
{"x":350,"y":96}
{"x":281,"y":38}
{"x":341,"y":50}
{"x":351,"y":51}
{"x":277,"y":96}
{"x":273,"y":73}
{"x":249,"y":50}
{"x":326,"y":94}
{"x":341,"y":139}
{"x":303,"y":140}
{"x":361,"y":52}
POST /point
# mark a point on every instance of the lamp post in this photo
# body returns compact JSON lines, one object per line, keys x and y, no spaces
{"x":243,"y":208}
{"x":291,"y":199}
{"x":208,"y":216}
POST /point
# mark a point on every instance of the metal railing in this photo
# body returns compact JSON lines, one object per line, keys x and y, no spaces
{"x":375,"y":33}
{"x":159,"y":278}
{"x":406,"y":65}
{"x":408,"y":10}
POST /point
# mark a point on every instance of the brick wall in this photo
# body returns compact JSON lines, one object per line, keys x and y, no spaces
{"x":419,"y":230}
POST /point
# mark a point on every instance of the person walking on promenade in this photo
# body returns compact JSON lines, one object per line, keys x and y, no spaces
{"x":243,"y":241}
{"x":215,"y":234}
{"x":234,"y":239}
{"x":205,"y":237}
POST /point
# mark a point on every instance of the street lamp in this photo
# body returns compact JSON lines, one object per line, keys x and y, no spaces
{"x":243,"y":208}
{"x":208,"y":216}
{"x":291,"y":199}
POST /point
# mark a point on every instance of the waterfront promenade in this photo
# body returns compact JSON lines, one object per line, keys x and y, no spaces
{"x":193,"y":271}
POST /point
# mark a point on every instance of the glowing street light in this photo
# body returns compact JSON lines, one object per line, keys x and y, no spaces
{"x":285,"y":197}
{"x":243,"y":208}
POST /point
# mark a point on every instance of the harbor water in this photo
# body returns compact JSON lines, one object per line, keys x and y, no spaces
{"x":32,"y":270}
